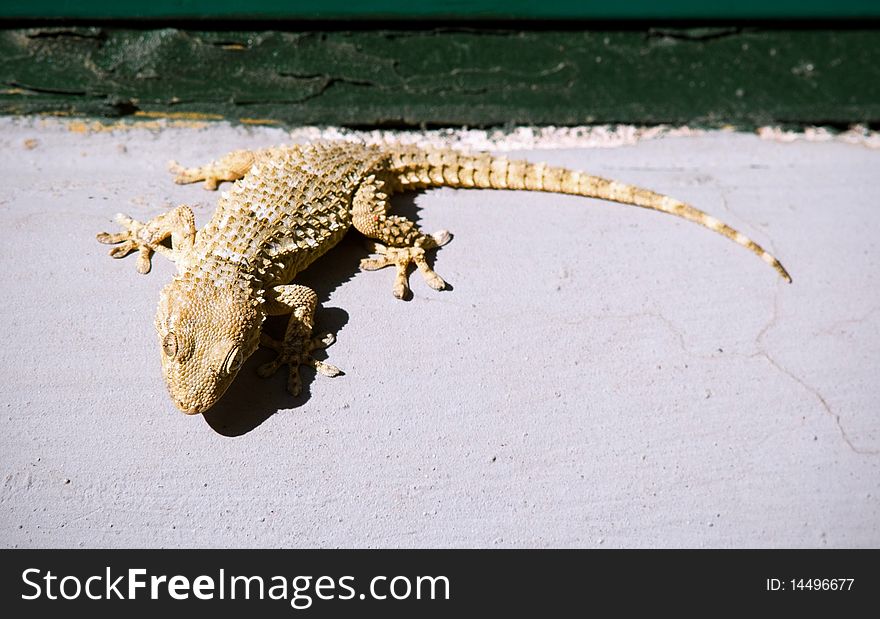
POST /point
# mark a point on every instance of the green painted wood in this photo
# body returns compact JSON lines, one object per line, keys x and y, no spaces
{"x":437,"y":9}
{"x":709,"y":76}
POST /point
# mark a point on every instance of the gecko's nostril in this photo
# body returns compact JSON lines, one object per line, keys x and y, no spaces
{"x":189,"y":410}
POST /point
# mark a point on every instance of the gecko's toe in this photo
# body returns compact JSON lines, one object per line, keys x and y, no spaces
{"x":270,"y":342}
{"x":441,"y":237}
{"x":323,"y":341}
{"x":111,"y":238}
{"x":325,"y":368}
{"x":122,"y":250}
{"x":268,"y":369}
{"x":294,"y":382}
{"x":400,"y":289}
{"x":374,"y":264}
{"x":144,"y":263}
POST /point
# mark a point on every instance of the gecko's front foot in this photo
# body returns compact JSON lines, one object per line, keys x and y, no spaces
{"x":185,"y":176}
{"x":296,"y":353}
{"x":146,"y":238}
{"x":229,"y":168}
{"x":136,"y":237}
{"x":402,"y":257}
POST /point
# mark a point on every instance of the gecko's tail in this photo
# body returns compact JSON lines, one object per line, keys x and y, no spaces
{"x":455,"y":169}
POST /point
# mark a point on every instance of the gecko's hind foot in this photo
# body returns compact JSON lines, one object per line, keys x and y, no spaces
{"x":297,"y":354}
{"x":402,"y":257}
{"x":134,"y":238}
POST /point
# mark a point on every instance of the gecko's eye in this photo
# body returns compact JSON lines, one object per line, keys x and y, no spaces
{"x":169,"y":345}
{"x":233,"y":361}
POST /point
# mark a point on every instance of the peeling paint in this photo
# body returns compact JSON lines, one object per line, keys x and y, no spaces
{"x":259,"y":121}
{"x":178,"y":115}
{"x":708,"y":77}
{"x":97,"y":126}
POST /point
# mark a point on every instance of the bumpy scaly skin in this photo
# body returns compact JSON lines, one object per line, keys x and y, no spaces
{"x":289,"y":205}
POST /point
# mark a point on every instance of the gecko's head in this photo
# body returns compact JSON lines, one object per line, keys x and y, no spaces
{"x":207,"y":328}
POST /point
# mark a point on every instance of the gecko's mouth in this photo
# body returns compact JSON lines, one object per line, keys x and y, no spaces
{"x":189,"y":410}
{"x":193,"y":401}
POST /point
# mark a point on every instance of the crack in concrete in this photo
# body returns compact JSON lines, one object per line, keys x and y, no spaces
{"x":83,"y":516}
{"x":762,"y":352}
{"x":742,"y":224}
{"x":671,"y":327}
{"x":830,"y":330}
{"x":825,"y":405}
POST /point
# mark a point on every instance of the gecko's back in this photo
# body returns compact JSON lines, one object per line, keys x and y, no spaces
{"x":291,"y":206}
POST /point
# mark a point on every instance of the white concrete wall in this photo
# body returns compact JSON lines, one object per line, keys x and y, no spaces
{"x":600,"y":375}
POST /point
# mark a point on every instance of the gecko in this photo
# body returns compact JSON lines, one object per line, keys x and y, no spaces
{"x":286,"y":207}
